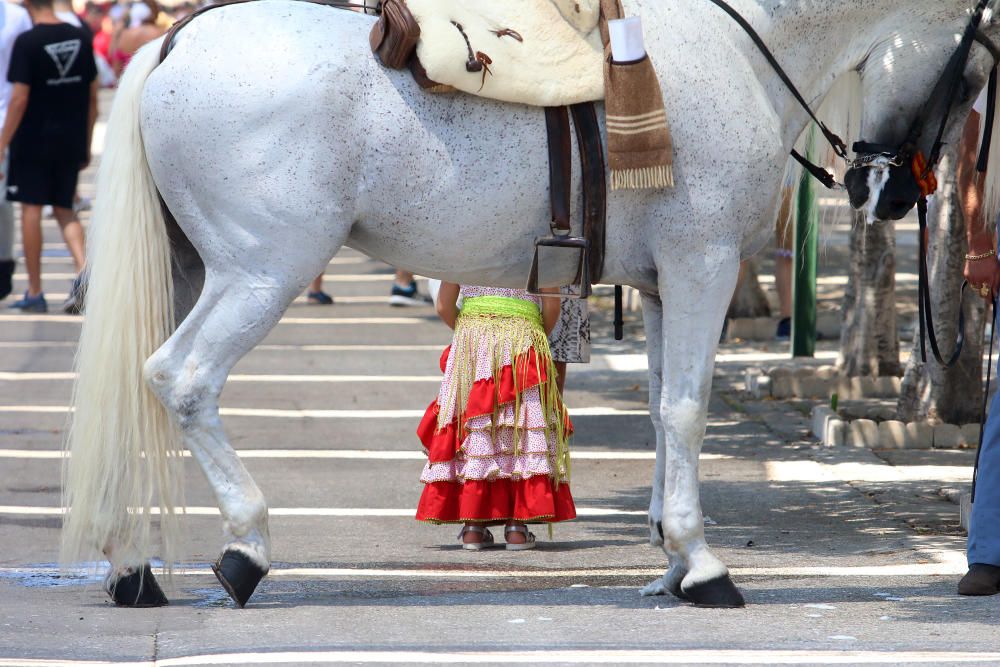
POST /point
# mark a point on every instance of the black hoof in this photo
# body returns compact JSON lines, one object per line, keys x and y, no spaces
{"x":675,"y":590}
{"x":238,"y":575}
{"x":981,"y":579}
{"x":136,"y":589}
{"x":718,"y":592}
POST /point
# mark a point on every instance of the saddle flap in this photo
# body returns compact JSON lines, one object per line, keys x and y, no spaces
{"x":394,"y":37}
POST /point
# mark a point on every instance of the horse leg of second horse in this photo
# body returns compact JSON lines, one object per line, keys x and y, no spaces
{"x":188,"y":373}
{"x":695,"y":295}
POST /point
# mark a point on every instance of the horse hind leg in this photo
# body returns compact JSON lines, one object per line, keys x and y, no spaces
{"x":233,"y":313}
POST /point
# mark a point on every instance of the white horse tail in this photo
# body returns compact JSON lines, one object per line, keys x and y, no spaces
{"x":123,"y":448}
{"x":991,"y":194}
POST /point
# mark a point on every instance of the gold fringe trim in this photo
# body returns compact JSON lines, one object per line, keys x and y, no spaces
{"x":518,"y":335}
{"x":661,"y":176}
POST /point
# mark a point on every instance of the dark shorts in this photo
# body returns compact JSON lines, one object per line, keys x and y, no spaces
{"x":43,"y":183}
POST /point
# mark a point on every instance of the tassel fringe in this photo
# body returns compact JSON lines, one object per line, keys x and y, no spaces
{"x":642,"y":179}
{"x":518,"y":335}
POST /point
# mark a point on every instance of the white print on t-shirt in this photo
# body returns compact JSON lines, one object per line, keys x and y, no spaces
{"x":63,"y":54}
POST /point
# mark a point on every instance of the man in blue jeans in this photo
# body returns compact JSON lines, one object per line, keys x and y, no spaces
{"x":983,"y":273}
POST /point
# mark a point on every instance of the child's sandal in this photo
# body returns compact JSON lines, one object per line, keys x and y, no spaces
{"x":529,"y":538}
{"x":487,"y":540}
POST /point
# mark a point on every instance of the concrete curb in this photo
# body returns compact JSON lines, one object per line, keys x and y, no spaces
{"x":833,"y":431}
{"x":822,"y":382}
{"x":764,"y":328}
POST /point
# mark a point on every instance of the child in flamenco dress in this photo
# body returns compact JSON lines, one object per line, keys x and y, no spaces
{"x":497,"y":435}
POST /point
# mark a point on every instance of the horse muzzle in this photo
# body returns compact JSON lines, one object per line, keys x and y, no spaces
{"x":895,"y":196}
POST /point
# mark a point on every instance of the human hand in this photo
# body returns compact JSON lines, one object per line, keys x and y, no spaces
{"x":983,"y":274}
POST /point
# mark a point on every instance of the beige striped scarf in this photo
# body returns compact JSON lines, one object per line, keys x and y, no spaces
{"x":640,"y":149}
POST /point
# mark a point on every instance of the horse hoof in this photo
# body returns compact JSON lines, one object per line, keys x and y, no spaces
{"x":674,"y":587}
{"x":720,"y":592}
{"x":238,"y":575}
{"x":136,"y":589}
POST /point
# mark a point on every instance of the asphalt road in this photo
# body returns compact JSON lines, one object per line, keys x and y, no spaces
{"x":356,"y":579}
{"x":835,"y":550}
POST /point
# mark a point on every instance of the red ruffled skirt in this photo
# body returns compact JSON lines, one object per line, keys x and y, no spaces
{"x":501,"y":458}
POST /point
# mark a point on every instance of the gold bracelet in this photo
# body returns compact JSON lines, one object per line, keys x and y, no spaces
{"x":973,"y":258}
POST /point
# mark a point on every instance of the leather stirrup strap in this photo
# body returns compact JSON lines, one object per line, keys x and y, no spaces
{"x":560,"y":166}
{"x":595,"y":189}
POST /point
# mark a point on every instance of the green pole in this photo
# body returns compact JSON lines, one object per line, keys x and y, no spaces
{"x":804,"y":261}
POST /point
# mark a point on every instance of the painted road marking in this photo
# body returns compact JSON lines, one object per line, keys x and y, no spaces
{"x":328,"y":277}
{"x":946,"y":569}
{"x":565,"y":656}
{"x":330,"y":414}
{"x":77,"y":319}
{"x":360,"y":454}
{"x":328,"y":379}
{"x":269,"y":347}
{"x":366,"y":512}
{"x":342,"y":300}
{"x":51,"y":259}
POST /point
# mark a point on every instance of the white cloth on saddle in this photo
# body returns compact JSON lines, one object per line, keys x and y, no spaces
{"x":559,"y":62}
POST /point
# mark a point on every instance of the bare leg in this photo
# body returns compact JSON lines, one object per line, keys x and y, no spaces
{"x":72,"y":232}
{"x":31,"y":237}
{"x":560,"y":375}
{"x":403,"y":278}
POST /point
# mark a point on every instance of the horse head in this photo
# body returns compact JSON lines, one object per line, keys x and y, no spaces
{"x":914,"y":77}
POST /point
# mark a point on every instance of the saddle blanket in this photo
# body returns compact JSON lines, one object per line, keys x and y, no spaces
{"x":538,"y":52}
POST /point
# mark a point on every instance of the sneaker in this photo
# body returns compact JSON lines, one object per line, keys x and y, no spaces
{"x":6,"y":277}
{"x":320,"y":298}
{"x":31,"y":304}
{"x":408,"y":296}
{"x":784,"y":331}
{"x":73,"y":305}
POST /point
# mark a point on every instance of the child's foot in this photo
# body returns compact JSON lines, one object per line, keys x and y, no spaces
{"x":518,"y":537}
{"x":475,"y":537}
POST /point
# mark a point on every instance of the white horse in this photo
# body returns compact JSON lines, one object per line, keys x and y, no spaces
{"x":268,"y":162}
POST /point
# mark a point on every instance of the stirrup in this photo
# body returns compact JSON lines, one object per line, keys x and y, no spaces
{"x":580,"y":287}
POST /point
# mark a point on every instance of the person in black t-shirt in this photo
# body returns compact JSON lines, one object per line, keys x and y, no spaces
{"x":48,"y":129}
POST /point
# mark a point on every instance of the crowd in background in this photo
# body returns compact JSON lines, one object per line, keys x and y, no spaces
{"x":118,"y":29}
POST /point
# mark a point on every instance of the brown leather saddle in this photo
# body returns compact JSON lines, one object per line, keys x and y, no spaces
{"x":394,"y":40}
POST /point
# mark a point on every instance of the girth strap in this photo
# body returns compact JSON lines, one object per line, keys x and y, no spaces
{"x":594,"y":179}
{"x":595,"y":189}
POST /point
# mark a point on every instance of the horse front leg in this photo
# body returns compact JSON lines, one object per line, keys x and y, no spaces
{"x":652,"y":315}
{"x":695,"y":297}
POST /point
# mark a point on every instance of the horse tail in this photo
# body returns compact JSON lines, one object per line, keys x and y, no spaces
{"x":123,"y":449}
{"x":991,"y":194}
